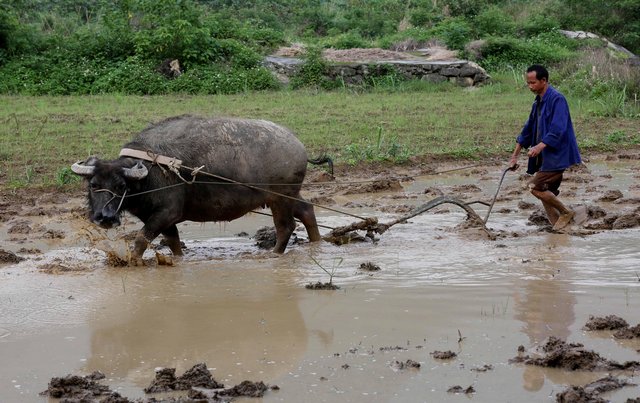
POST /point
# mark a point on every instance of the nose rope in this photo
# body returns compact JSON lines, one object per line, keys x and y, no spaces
{"x":111,"y":199}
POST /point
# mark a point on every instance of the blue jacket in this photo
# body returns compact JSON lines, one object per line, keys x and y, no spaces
{"x":556,"y":131}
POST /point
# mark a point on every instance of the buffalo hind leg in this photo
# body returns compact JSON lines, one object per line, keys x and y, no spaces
{"x":304,"y":212}
{"x":172,"y":239}
{"x":284,"y":222}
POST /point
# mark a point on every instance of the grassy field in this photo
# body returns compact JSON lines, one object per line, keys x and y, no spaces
{"x":42,"y":136}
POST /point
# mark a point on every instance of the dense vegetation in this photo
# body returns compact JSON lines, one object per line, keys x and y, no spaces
{"x":61,"y":47}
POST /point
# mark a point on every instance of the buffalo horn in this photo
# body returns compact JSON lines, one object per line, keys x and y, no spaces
{"x":138,"y":171}
{"x":81,"y":169}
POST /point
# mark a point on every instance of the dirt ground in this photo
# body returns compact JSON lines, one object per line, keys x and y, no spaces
{"x":33,"y":222}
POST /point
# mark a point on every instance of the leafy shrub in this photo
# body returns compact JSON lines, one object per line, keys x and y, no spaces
{"x":537,"y":24}
{"x":49,"y":75}
{"x":503,"y":52}
{"x":465,"y":8}
{"x":347,"y":40}
{"x":234,"y":53}
{"x":493,"y":21}
{"x":313,"y":72}
{"x":222,"y":80}
{"x":131,"y":76}
{"x":454,"y":32}
{"x":424,"y":17}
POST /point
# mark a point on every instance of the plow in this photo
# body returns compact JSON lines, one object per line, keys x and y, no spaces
{"x":371,"y":226}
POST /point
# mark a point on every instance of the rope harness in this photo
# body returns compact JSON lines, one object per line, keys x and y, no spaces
{"x":114,"y":195}
{"x":369,"y":224}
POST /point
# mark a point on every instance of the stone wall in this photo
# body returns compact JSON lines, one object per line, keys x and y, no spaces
{"x":462,"y":72}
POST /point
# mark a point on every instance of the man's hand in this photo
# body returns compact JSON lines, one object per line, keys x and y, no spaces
{"x":513,"y":163}
{"x":536,"y":150}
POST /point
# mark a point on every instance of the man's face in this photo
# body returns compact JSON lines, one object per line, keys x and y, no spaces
{"x":536,"y":86}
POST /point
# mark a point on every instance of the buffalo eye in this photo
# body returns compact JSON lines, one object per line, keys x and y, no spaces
{"x":94,"y":186}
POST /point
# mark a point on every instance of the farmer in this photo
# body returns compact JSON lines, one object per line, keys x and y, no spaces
{"x":549,"y":136}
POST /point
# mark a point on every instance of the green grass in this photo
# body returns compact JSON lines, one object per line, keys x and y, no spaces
{"x":41,"y":136}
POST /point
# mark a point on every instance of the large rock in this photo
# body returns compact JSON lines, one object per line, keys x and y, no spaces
{"x":462,"y":72}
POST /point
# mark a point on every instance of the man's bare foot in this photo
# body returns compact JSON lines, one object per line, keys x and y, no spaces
{"x":563,"y":220}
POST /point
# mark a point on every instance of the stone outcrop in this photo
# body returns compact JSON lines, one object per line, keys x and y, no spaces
{"x":462,"y":72}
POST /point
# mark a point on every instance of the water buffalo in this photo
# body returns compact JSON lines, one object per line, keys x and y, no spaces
{"x":255,"y":152}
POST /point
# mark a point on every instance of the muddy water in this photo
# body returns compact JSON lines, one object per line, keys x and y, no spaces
{"x":247,"y":314}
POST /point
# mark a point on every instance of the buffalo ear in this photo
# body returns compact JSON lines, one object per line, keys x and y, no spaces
{"x":85,"y":168}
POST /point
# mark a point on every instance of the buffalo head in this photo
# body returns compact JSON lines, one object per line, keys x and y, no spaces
{"x":108,"y":186}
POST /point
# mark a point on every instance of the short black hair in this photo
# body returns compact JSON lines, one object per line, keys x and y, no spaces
{"x":541,"y":72}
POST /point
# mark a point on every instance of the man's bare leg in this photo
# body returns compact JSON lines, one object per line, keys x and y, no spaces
{"x":559,"y":215}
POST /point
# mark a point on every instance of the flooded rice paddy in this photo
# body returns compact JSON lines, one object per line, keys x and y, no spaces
{"x":245,"y":312}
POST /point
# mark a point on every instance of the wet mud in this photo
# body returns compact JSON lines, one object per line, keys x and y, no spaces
{"x":558,"y":353}
{"x":69,"y":294}
{"x":591,"y":392}
{"x":198,"y":381}
{"x":613,"y":322}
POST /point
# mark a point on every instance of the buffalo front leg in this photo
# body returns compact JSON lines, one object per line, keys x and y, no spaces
{"x":284,"y":223}
{"x":304,"y":212}
{"x":139,"y":246}
{"x":153,"y":226}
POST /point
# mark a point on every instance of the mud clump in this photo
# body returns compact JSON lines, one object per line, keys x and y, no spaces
{"x":613,"y":322}
{"x":610,"y":195}
{"x":628,"y":333}
{"x":610,"y":322}
{"x":247,"y":389}
{"x":524,"y":205}
{"x":572,"y":357}
{"x":21,"y":227}
{"x":484,"y":368}
{"x":409,"y":364}
{"x":539,"y":218}
{"x":459,"y":389}
{"x":381,"y":185}
{"x":266,"y":238}
{"x":197,"y":376}
{"x":626,"y":221}
{"x":77,"y":388}
{"x":590,"y":393}
{"x":444,"y":355}
{"x":368,"y":266}
{"x":321,"y":286}
{"x":9,"y":257}
{"x":115,"y":260}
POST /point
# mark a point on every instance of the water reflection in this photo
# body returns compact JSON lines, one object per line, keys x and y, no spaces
{"x":248,"y":329}
{"x":545,"y":302}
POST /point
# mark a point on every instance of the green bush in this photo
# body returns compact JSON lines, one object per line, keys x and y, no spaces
{"x":131,"y":76}
{"x":234,"y":53}
{"x":537,"y":24}
{"x":504,"y":52}
{"x":493,"y":21}
{"x":49,"y":75}
{"x":347,"y":40}
{"x":454,"y":32}
{"x":313,"y":72}
{"x":223,"y":80}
